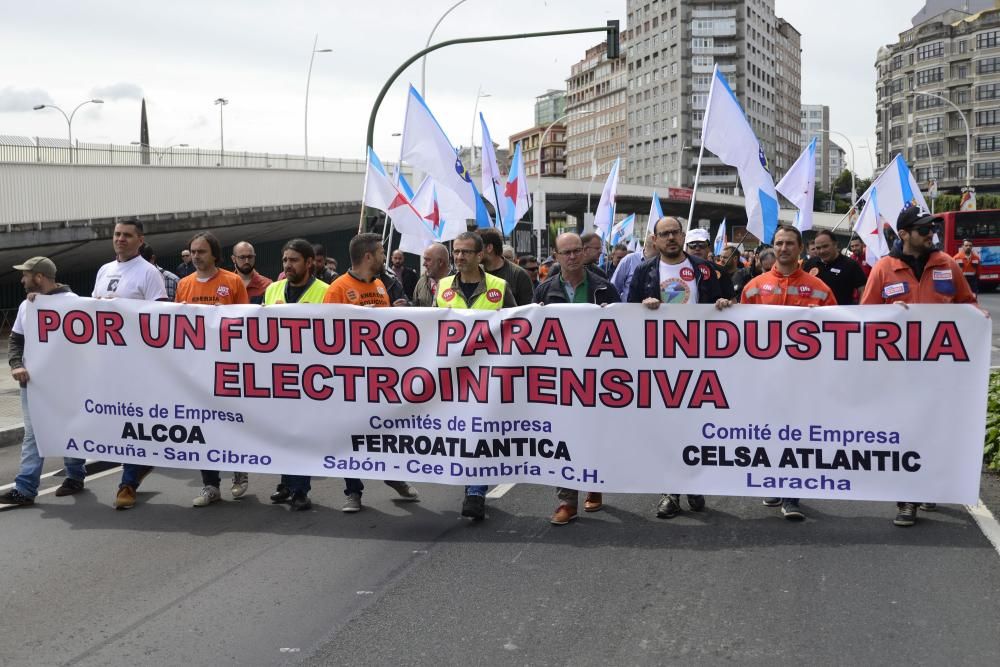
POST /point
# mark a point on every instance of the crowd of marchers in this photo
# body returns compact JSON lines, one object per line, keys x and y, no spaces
{"x":479,"y":272}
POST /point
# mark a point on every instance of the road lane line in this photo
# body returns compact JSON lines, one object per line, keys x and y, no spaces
{"x":53,"y":489}
{"x":499,"y":490}
{"x":987,"y":523}
{"x":88,"y":462}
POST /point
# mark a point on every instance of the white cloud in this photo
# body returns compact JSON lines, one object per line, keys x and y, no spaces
{"x":118,"y":91}
{"x":22,"y":99}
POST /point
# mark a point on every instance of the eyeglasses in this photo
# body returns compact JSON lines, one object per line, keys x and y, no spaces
{"x":245,"y":258}
{"x":925,"y":230}
{"x":575,"y":252}
{"x":666,"y":234}
{"x":697,"y":245}
{"x":462,"y":251}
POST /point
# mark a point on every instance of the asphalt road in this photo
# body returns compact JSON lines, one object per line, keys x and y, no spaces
{"x":244,"y":582}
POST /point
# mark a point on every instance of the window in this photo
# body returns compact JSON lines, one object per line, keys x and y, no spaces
{"x":896,"y":109}
{"x":984,"y":118}
{"x":932,"y":75}
{"x":924,"y":102}
{"x":977,"y":224}
{"x":897,"y":62}
{"x":988,"y":170}
{"x":990,"y":91}
{"x":896,"y":133}
{"x":987,"y":40}
{"x":929,"y":124}
{"x":932,"y":149}
{"x":896,"y":86}
{"x":930,"y":51}
{"x":988,"y":66}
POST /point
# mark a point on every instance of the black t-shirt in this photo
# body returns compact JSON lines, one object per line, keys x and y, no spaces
{"x":843,"y":275}
{"x":468,"y":289}
{"x":293,"y":293}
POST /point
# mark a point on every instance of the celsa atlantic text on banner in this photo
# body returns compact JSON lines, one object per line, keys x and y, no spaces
{"x":842,"y":402}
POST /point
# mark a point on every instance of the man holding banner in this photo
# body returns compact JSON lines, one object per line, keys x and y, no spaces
{"x":300,"y":285}
{"x":675,"y":278}
{"x":916,"y":273}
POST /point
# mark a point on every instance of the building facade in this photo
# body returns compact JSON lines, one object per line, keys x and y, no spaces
{"x":815,"y":123}
{"x":672,"y":47}
{"x":595,"y":101}
{"x":550,"y":107}
{"x":550,"y":157}
{"x":943,"y":73}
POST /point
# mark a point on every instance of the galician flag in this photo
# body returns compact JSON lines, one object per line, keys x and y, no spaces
{"x":655,"y":213}
{"x":897,"y":189}
{"x":870,"y":229}
{"x":381,"y":193}
{"x":515,"y":194}
{"x":799,"y":186}
{"x":426,"y":146}
{"x":493,"y":181}
{"x":720,"y":239}
{"x":624,"y":231}
{"x":427,"y":202}
{"x":606,"y":207}
{"x":727,"y":133}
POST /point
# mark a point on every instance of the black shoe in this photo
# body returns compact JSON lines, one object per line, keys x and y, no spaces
{"x":907,"y":514}
{"x":69,"y":487}
{"x":790,"y":510}
{"x":16,"y":498}
{"x":669,"y":506}
{"x":696,"y":503}
{"x":928,"y":507}
{"x":282,"y":494}
{"x":474,"y":507}
{"x":300,"y":502}
{"x":772,"y":502}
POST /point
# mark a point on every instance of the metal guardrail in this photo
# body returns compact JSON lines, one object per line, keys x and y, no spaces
{"x":59,"y":151}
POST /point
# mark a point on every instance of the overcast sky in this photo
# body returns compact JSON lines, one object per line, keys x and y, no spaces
{"x":184,"y":54}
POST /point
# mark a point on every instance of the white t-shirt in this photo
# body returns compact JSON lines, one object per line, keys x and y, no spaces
{"x":18,"y":327}
{"x":677,"y":283}
{"x":134,"y":279}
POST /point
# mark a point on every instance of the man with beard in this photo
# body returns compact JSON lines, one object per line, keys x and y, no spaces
{"x":245,"y":261}
{"x":841,"y":274}
{"x":675,"y":278}
{"x":38,"y":276}
{"x":404,"y":274}
{"x":857,"y":248}
{"x":361,"y":286}
{"x":299,"y":285}
{"x":916,"y":273}
{"x":320,"y":269}
{"x":517,"y":279}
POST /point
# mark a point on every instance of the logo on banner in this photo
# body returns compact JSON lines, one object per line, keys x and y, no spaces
{"x":448,"y":294}
{"x":493,"y":295}
{"x":687,"y":274}
{"x":223,"y":291}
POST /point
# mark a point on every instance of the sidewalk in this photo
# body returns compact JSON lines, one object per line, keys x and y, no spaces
{"x":11,"y":421}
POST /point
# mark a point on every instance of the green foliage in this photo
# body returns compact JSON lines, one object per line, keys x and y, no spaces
{"x":991,"y":451}
{"x":951,"y":202}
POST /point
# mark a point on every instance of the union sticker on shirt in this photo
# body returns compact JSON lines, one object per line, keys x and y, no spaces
{"x":706,"y":272}
{"x":448,"y":294}
{"x":894,"y":289}
{"x":222,"y":291}
{"x":351,"y":295}
{"x":805,"y":290}
{"x":687,"y":273}
{"x":675,"y":291}
{"x":493,"y":295}
{"x":380,"y":289}
{"x":941,"y":274}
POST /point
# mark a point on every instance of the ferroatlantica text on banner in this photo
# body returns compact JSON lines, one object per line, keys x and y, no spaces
{"x":849,"y":403}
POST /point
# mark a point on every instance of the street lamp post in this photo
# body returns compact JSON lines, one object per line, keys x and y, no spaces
{"x":69,"y":118}
{"x":472,"y":139}
{"x":222,"y":101}
{"x":968,"y":135}
{"x":423,"y":61}
{"x":312,"y":56}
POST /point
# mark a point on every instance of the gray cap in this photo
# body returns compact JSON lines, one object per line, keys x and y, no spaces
{"x":42,"y":265}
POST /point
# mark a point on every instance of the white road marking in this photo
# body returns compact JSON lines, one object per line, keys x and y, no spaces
{"x":53,"y":489}
{"x":45,"y":476}
{"x":499,"y":490}
{"x":987,"y":523}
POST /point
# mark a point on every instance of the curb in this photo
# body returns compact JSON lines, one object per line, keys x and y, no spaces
{"x":12,"y":435}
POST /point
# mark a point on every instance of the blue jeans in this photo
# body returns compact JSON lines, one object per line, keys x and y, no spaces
{"x":478,"y":490}
{"x":30,"y":476}
{"x":297,"y":483}
{"x":133,"y":473}
{"x":353,"y":486}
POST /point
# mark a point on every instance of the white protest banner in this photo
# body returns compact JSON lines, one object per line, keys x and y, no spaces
{"x":869,"y":402}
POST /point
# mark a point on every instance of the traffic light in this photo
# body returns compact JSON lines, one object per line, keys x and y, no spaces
{"x":613,"y":34}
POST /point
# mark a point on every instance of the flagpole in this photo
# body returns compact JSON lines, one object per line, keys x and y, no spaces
{"x":694,"y":191}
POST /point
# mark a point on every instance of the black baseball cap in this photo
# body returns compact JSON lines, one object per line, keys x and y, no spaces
{"x":912,"y":216}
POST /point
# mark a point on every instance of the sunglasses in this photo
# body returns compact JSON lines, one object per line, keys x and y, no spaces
{"x":698,"y":245}
{"x":925,"y":230}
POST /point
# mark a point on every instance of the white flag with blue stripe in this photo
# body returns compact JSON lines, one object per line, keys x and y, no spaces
{"x":655,"y":213}
{"x":605,"y":214}
{"x":727,"y":133}
{"x":799,"y":186}
{"x":897,"y":189}
{"x":623,"y":231}
{"x":720,"y":239}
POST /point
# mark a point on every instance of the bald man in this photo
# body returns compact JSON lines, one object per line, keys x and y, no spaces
{"x":436,"y":266}
{"x":245,"y":262}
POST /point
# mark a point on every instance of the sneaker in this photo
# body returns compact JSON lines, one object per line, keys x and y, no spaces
{"x":405,"y":491}
{"x":927,"y":507}
{"x":907,"y":515}
{"x":209,"y":495}
{"x":16,"y":499}
{"x":772,"y":502}
{"x":125,"y":499}
{"x":593,"y":503}
{"x":474,"y":507}
{"x":69,"y":487}
{"x":281,"y":494}
{"x":352,"y":504}
{"x":241,"y":481}
{"x":669,"y":506}
{"x":790,"y":510}
{"x":563,"y":515}
{"x":696,"y":503}
{"x":300,"y":502}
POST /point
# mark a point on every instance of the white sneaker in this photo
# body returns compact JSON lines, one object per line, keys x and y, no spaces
{"x":241,"y":481}
{"x":209,"y":495}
